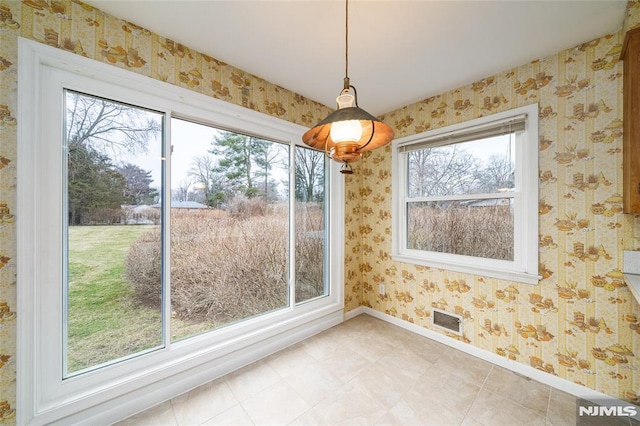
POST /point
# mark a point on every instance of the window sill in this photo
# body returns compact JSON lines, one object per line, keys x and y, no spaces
{"x":508,"y":275}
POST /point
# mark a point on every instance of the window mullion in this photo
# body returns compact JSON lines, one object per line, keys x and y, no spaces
{"x":462,"y":197}
{"x":292,"y":226}
{"x":167,"y":149}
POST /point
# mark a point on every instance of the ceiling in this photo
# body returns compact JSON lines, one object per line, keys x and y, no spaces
{"x":400,"y":52}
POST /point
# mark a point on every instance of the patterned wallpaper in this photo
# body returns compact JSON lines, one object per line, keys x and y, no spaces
{"x":81,"y":29}
{"x":581,"y":322}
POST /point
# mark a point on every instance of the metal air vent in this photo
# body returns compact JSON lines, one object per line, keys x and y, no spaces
{"x":447,"y":321}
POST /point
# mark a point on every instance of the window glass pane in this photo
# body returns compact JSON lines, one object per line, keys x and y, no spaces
{"x":114,"y":169}
{"x":310,"y":224}
{"x":480,"y":228}
{"x":229,"y":227}
{"x":474,"y":167}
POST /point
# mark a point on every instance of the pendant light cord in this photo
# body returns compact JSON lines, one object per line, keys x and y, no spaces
{"x":347,"y":85}
{"x":346,"y":40}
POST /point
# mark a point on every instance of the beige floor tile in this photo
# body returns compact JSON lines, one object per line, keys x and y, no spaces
{"x":416,"y":409}
{"x":384,"y":386}
{"x":391,"y":330}
{"x":371,"y":345}
{"x":252,"y":379}
{"x":314,"y":384}
{"x":493,"y":409}
{"x":203,"y":403}
{"x":429,"y":349}
{"x":447,"y":389}
{"x":160,"y":415}
{"x":465,"y":366}
{"x":383,"y":329}
{"x":320,"y":346}
{"x":562,"y":409}
{"x":470,"y":422}
{"x":290,"y":361}
{"x":519,"y":389}
{"x":363,"y":322}
{"x":370,"y":342}
{"x":346,"y":406}
{"x":345,"y":364}
{"x":235,"y":416}
{"x":405,"y":364}
{"x":388,"y":420}
{"x":278,"y":404}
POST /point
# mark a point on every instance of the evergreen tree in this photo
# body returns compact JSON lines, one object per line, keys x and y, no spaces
{"x":138,"y":189}
{"x":237,"y":162}
{"x":94,"y":183}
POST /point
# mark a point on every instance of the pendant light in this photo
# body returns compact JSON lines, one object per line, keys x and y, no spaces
{"x":348,"y":131}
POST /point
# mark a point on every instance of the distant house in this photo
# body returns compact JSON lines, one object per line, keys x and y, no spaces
{"x":150,"y":215}
{"x":140,"y":215}
{"x":488,"y":202}
{"x":188,"y":205}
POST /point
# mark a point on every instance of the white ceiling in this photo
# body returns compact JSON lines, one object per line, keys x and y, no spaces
{"x":400,"y":52}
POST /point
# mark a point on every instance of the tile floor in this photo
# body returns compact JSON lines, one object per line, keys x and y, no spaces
{"x":367,"y":372}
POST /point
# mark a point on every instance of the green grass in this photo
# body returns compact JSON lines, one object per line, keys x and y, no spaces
{"x":104,"y":321}
{"x":104,"y":324}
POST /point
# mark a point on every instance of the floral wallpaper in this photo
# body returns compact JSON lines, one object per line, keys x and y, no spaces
{"x":580,"y":323}
{"x":76,"y":27}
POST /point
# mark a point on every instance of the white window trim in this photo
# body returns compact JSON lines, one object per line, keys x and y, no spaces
{"x":524,"y":268}
{"x":117,"y":391}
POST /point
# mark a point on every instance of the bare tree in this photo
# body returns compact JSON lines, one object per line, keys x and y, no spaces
{"x":202,"y":172}
{"x":109,"y":126}
{"x":309,"y":173}
{"x":497,"y":174}
{"x":210,"y":183}
{"x":439,"y":171}
{"x":272,"y":156}
{"x":181,"y":192}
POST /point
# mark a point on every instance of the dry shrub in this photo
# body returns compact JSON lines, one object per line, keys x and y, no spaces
{"x":485,"y":231}
{"x":142,"y":268}
{"x":223,"y":269}
{"x":101,"y":216}
{"x":309,"y":251}
{"x":242,"y":207}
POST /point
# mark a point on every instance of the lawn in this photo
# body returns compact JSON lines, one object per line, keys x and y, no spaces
{"x":104,"y":323}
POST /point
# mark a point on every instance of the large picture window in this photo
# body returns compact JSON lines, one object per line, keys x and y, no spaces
{"x":467,"y":197}
{"x":166,"y":238}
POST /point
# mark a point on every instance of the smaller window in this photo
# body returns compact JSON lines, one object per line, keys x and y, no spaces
{"x":466,"y":196}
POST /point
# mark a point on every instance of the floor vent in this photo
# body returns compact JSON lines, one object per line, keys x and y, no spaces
{"x":447,"y":321}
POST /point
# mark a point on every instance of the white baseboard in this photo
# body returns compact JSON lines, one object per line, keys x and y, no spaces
{"x":354,"y":313}
{"x":517,"y":367}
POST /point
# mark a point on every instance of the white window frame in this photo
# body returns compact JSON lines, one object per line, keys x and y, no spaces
{"x":116,"y":391}
{"x":524,"y":267}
